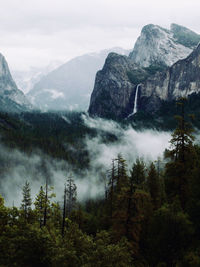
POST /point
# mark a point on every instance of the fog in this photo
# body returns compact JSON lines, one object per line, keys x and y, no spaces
{"x":148,"y":144}
{"x":34,"y":33}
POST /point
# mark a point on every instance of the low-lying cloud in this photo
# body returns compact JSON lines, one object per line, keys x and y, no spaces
{"x":148,"y":144}
{"x":20,"y":167}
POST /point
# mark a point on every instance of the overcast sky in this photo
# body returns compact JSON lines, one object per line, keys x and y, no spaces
{"x":36,"y":32}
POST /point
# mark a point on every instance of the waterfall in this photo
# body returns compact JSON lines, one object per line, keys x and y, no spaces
{"x":135,"y":101}
{"x":136,"y":98}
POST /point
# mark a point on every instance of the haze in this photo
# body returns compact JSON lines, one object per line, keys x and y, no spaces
{"x":34,"y":33}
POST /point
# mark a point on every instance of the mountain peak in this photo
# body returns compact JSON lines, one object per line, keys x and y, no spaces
{"x":154,"y":29}
{"x":11,"y":98}
{"x":184,"y":36}
{"x":161,"y":67}
{"x":159,"y":46}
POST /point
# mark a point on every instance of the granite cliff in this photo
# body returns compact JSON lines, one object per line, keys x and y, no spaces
{"x":157,"y":45}
{"x":11,"y":98}
{"x":114,"y":91}
{"x":164,"y":65}
{"x":180,"y":80}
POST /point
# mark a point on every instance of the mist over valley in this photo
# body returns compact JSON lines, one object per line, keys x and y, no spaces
{"x":99,"y":133}
{"x":86,"y":155}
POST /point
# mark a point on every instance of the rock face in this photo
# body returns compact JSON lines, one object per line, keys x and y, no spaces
{"x":70,"y":85}
{"x":157,"y":45}
{"x":157,"y":63}
{"x":180,"y":80}
{"x":113,"y":91}
{"x":184,"y":36}
{"x":11,"y":98}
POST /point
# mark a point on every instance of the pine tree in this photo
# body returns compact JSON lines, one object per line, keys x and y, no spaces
{"x":130,"y":204}
{"x":40,"y":206}
{"x":111,"y":189}
{"x":138,"y":173}
{"x":154,"y":186}
{"x":120,"y":199}
{"x":64,"y":210}
{"x":121,"y":178}
{"x":136,"y":181}
{"x":69,"y":201}
{"x":26,"y":201}
{"x":182,"y":154}
{"x":71,"y":194}
{"x":182,"y":138}
{"x":46,"y":201}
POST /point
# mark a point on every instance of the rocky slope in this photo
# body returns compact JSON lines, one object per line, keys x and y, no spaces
{"x":113,"y":91}
{"x":157,"y":45}
{"x":180,"y":80}
{"x":11,"y":98}
{"x":70,"y":85}
{"x":148,"y":65}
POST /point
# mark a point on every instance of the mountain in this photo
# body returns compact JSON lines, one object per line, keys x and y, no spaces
{"x":26,"y":80}
{"x":11,"y":98}
{"x":180,"y":80}
{"x":157,"y":45}
{"x":152,"y":79}
{"x":114,"y":91}
{"x":70,"y":85}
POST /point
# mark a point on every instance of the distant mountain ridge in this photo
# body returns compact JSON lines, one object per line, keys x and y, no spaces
{"x":11,"y":98}
{"x":70,"y":85}
{"x":26,"y":79}
{"x":162,"y":67}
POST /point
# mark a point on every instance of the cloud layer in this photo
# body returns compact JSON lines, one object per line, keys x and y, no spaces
{"x":33,"y":33}
{"x":131,"y":144}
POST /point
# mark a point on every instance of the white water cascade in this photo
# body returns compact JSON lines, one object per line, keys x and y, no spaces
{"x":135,"y":101}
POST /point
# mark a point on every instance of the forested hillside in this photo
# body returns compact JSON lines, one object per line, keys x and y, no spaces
{"x":148,"y":215}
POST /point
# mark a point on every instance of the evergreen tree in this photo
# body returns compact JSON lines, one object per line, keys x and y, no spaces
{"x":120,"y":199}
{"x":69,"y":201}
{"x":182,"y":138}
{"x":111,"y":190}
{"x":183,"y":159}
{"x":64,"y":210}
{"x":138,"y":173}
{"x":40,"y":206}
{"x":154,"y":186}
{"x":26,"y":201}
{"x":121,"y":177}
{"x":71,"y":194}
{"x":45,"y":202}
{"x":136,"y":181}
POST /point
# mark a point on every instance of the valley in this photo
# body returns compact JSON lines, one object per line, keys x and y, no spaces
{"x":109,"y":176}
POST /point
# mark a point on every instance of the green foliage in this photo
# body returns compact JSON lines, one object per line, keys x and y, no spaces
{"x":108,"y":254}
{"x":152,"y":69}
{"x":183,"y":160}
{"x":169,"y":235}
{"x":163,"y":119}
{"x":43,"y":205}
{"x":26,"y":201}
{"x":137,"y":76}
{"x":25,"y":245}
{"x":154,"y":186}
{"x":140,"y":75}
{"x":138,"y":173}
{"x":149,"y":217}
